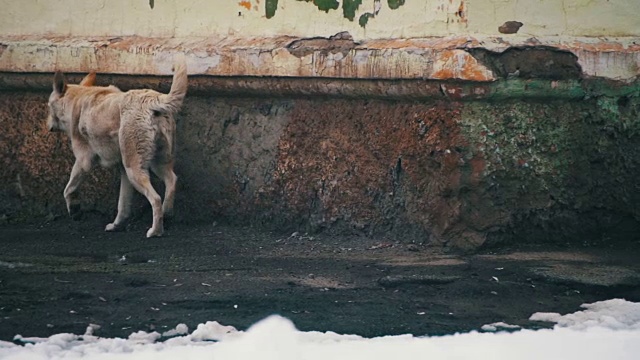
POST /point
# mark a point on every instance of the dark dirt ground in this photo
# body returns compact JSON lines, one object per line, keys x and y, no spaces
{"x":62,"y":275}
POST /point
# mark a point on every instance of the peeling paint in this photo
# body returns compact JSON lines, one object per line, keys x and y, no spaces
{"x":349,"y":8}
{"x":414,"y":19}
{"x":324,"y":5}
{"x":339,"y":43}
{"x":510,"y":27}
{"x":541,"y":62}
{"x":270,"y":7}
{"x":461,"y":13}
{"x":394,"y":4}
{"x":364,"y":19}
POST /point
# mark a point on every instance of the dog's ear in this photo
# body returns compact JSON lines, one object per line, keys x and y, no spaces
{"x":89,"y":80}
{"x":59,"y":83}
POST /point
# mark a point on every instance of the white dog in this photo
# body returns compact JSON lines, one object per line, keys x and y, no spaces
{"x":134,"y":130}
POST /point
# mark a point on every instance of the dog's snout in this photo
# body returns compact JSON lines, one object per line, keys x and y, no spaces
{"x":52,"y":124}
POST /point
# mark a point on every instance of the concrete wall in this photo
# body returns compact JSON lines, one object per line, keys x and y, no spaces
{"x":458,"y":123}
{"x":392,"y":19}
{"x":415,"y":40}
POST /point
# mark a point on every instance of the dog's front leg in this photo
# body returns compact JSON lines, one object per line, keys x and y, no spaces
{"x":124,"y":203}
{"x":80,"y":168}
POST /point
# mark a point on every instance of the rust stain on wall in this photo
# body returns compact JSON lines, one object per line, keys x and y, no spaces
{"x":377,"y":166}
{"x":462,"y":12}
{"x":245,"y":4}
{"x":454,"y":64}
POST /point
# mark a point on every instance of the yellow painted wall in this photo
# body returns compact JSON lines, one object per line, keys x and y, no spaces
{"x":247,"y":18}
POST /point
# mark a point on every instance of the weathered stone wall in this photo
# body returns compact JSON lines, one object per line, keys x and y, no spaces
{"x":447,"y":172}
{"x":451,"y":122}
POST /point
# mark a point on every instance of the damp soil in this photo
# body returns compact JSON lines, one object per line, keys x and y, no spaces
{"x":62,"y":275}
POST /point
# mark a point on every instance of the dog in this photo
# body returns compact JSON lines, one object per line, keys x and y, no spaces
{"x":134,"y":130}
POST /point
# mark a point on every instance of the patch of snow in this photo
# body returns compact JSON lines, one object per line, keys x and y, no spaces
{"x":499,"y":325}
{"x":143,"y":337}
{"x":91,"y":329}
{"x":615,"y":314}
{"x":212,"y":331}
{"x":604,"y":330}
{"x":181,"y":329}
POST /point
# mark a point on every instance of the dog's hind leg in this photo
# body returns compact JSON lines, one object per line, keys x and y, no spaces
{"x":165,"y":172}
{"x":80,"y":168}
{"x":140,"y":180}
{"x":124,"y":203}
{"x":137,"y":138}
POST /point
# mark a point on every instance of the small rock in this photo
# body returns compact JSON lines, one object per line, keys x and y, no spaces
{"x":413,"y":248}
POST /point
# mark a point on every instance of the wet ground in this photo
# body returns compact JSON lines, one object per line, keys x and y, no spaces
{"x":62,"y":275}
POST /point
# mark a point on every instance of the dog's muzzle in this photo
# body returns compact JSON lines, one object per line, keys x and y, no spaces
{"x":52,"y":124}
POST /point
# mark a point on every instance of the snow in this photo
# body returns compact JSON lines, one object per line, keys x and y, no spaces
{"x":606,"y":329}
{"x":181,"y":329}
{"x":616,"y":314}
{"x":499,"y":325}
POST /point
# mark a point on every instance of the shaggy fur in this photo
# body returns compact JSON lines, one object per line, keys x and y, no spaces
{"x":134,"y":130}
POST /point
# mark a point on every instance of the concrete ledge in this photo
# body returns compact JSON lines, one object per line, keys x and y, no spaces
{"x":349,"y":88}
{"x":339,"y":56}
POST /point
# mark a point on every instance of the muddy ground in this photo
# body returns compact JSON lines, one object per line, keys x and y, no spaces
{"x":61,"y":275}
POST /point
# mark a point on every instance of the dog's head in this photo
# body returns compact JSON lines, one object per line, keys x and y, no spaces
{"x":59,"y":118}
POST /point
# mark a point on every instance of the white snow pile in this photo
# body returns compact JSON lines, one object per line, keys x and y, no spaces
{"x":616,"y":314}
{"x":608,"y":329}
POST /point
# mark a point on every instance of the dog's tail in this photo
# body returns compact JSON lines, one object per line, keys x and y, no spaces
{"x":171,"y":103}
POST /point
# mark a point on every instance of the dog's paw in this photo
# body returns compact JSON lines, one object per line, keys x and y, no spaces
{"x":113,"y":227}
{"x":154,"y":233}
{"x":75,"y":211}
